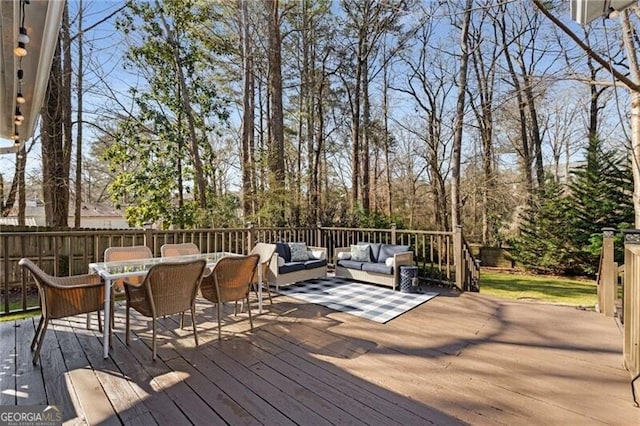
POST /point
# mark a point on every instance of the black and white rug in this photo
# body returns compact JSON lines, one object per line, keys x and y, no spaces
{"x":380,"y":304}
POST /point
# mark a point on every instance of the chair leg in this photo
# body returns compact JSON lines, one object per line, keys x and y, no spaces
{"x":249,"y":310}
{"x":268,"y":292}
{"x":182,"y":320}
{"x":127,"y":326}
{"x":153,"y":339}
{"x":193,"y":322}
{"x":36,"y":354}
{"x":100,"y":321}
{"x":220,"y":305}
{"x":35,"y":337}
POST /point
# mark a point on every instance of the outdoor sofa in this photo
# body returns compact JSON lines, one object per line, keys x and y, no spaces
{"x":295,"y":262}
{"x":373,"y":262}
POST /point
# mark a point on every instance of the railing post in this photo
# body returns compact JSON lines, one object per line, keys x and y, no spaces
{"x":319,"y":234}
{"x":631,"y":306}
{"x":250,"y":236}
{"x":608,"y":275}
{"x":458,"y":257}
{"x":148,"y":239}
{"x":393,"y":234}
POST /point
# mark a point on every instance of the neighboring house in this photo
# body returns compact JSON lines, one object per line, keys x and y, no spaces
{"x":94,"y":216}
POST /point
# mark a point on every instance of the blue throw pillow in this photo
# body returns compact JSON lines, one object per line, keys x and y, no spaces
{"x":361,"y":253}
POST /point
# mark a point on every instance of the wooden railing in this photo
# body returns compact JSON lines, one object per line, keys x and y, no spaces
{"x":442,"y":257}
{"x":619,"y":296}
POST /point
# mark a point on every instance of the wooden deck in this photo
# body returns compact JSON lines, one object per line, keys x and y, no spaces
{"x":457,"y":359}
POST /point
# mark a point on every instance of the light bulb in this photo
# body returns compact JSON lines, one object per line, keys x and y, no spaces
{"x":23,"y":37}
{"x":19,"y":117}
{"x":20,"y":74}
{"x":20,"y":98}
{"x":20,"y":50}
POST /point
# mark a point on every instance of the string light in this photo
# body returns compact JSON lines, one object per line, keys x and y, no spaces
{"x":19,"y":118}
{"x":23,"y":37}
{"x":20,"y":74}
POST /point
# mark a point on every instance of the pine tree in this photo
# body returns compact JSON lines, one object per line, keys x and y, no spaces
{"x":544,"y":244}
{"x":601,"y":196}
{"x":562,"y":230}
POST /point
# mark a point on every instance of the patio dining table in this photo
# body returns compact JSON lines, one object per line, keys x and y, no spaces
{"x":112,"y":271}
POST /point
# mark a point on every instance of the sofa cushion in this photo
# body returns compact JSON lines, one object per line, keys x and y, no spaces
{"x":317,"y":254}
{"x":283,"y":251}
{"x":375,"y":250}
{"x":380,"y":268}
{"x":388,"y":250}
{"x":298,"y":252}
{"x":361,"y":253}
{"x":344,"y":255}
{"x":312,"y":264}
{"x":291,"y":267}
{"x":351,"y":264}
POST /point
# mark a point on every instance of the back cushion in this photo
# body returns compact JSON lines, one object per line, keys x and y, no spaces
{"x":283,"y":251}
{"x":375,"y":250}
{"x":388,"y":250}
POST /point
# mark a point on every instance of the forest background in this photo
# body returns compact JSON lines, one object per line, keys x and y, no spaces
{"x":429,"y":114}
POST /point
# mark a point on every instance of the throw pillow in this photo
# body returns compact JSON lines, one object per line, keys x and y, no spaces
{"x":389,"y":261}
{"x":360,"y":253}
{"x":344,"y":255}
{"x":281,"y":261}
{"x":299,"y":252}
{"x":316,"y":254}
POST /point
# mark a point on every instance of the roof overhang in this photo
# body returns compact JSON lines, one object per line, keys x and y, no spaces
{"x":42,"y":20}
{"x":585,"y":11}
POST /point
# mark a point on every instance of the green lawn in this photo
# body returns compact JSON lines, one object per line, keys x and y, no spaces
{"x":539,"y":287}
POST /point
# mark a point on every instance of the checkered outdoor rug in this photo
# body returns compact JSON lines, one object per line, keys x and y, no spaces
{"x":369,"y":301}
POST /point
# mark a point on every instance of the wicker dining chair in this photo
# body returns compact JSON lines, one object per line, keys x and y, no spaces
{"x":266,"y":254}
{"x":179,"y":249}
{"x":230,"y":281}
{"x":168,"y":288}
{"x":117,"y":254}
{"x":63,"y":297}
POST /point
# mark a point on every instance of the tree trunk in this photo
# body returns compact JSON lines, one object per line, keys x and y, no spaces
{"x":366,"y":136}
{"x":248,"y":94}
{"x":53,"y":182}
{"x":78,"y":186}
{"x":276,"y":149}
{"x":201,"y":183}
{"x":459,"y":119}
{"x":627,"y":37}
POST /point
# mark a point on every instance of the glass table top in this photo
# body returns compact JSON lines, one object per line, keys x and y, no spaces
{"x":125,"y":268}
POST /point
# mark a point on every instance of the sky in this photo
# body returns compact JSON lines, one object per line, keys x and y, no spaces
{"x":107,"y":49}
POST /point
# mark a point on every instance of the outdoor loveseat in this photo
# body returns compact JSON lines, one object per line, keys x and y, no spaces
{"x":373,"y":262}
{"x":295,"y":262}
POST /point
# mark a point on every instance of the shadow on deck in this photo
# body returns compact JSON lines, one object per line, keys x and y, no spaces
{"x":465,"y":359}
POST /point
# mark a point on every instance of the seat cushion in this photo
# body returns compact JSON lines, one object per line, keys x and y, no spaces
{"x":351,"y":264}
{"x":380,"y":268}
{"x":291,"y":267}
{"x":375,"y":250}
{"x":312,"y":264}
{"x":284,"y":251}
{"x":388,"y":250}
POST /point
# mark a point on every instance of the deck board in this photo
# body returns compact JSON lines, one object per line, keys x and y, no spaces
{"x":8,"y":359}
{"x":457,"y":359}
